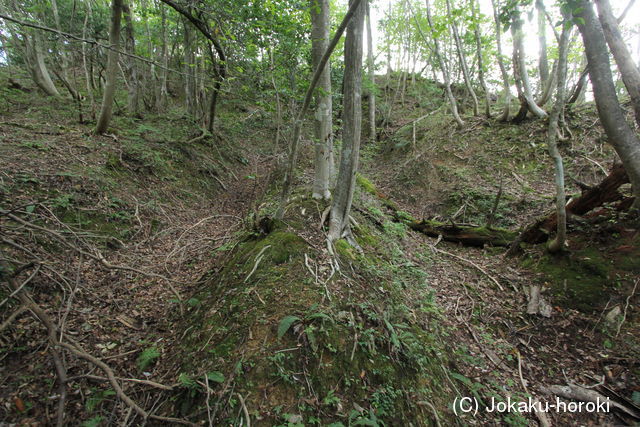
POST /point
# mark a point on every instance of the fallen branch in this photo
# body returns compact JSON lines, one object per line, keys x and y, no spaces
{"x":605,"y":192}
{"x":99,"y":257}
{"x":576,"y":392}
{"x":133,"y":380}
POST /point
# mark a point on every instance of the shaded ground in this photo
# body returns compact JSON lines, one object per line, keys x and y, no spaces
{"x":146,"y":200}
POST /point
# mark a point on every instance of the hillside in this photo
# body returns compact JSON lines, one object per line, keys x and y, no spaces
{"x":159,"y":256}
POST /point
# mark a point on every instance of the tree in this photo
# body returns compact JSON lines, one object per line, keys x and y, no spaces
{"x":352,"y":122}
{"x":621,"y":136}
{"x":628,"y":69}
{"x":503,"y":68}
{"x":557,"y":244}
{"x":461,"y":57}
{"x":527,"y":103}
{"x":112,"y":67}
{"x":297,"y":128}
{"x":372,"y":77}
{"x":481,"y":63}
{"x":323,"y":123}
{"x":443,"y":67}
{"x":131,"y":68}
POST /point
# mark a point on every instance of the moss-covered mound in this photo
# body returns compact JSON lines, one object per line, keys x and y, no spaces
{"x":286,"y":335}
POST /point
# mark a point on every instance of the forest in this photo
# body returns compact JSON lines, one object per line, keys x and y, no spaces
{"x":319,"y":212}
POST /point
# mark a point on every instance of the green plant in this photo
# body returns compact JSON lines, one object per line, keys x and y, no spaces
{"x":147,"y":357}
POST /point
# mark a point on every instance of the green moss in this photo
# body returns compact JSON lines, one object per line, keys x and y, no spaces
{"x":345,"y":250}
{"x":579,"y":280}
{"x":366,"y":185}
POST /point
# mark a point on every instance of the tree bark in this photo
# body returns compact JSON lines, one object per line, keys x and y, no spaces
{"x":323,"y":123}
{"x":503,"y":69}
{"x":462,"y":59}
{"x":189,"y":67}
{"x":352,"y":122}
{"x":37,"y":65}
{"x":557,"y":244}
{"x":131,"y":69}
{"x":627,"y":67}
{"x":297,"y":127}
{"x":112,"y":67}
{"x":543,"y":61}
{"x":521,"y":76}
{"x":621,"y":136}
{"x":372,"y":78}
{"x":476,"y":32}
{"x":87,"y":75}
{"x":161,"y":98}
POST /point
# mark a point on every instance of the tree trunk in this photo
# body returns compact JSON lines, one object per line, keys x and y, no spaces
{"x":352,"y":121}
{"x":621,"y":136}
{"x":543,"y":61}
{"x":628,"y":69}
{"x":161,"y":98}
{"x":131,"y":69}
{"x":579,"y":88}
{"x":557,"y":244}
{"x":522,"y":78}
{"x":189,"y":66}
{"x":503,"y":69}
{"x":372,"y":78}
{"x":323,"y":124}
{"x":462,"y":59}
{"x":37,"y":65}
{"x":605,"y":192}
{"x":297,"y":127}
{"x":88,"y":77}
{"x":476,"y":32}
{"x":112,"y":68}
{"x":64,"y":66}
{"x":444,"y":69}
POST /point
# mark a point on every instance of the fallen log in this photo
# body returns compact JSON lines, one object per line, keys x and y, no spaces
{"x":458,"y":233}
{"x":593,"y":197}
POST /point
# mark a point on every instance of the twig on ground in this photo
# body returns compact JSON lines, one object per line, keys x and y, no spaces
{"x":471,"y":263}
{"x":244,"y":409}
{"x":626,"y":306}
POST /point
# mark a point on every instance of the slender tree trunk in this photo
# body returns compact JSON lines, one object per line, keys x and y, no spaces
{"x":88,"y":77}
{"x":323,"y":123}
{"x":578,"y":89}
{"x":443,"y":68}
{"x":189,"y":83}
{"x":621,"y":136}
{"x":372,"y":78}
{"x":522,"y":78}
{"x":627,"y":67}
{"x":352,"y":121}
{"x":503,"y":69}
{"x":476,"y":32}
{"x":112,"y":68}
{"x":462,"y":59}
{"x":297,"y":127}
{"x":276,"y":143}
{"x":547,"y":88}
{"x":131,"y":69}
{"x":161,"y":99}
{"x":37,"y":65}
{"x":64,"y":64}
{"x":543,"y":61}
{"x":557,"y":244}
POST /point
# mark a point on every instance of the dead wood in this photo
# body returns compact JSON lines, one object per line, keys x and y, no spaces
{"x":464,"y":234}
{"x":605,"y":192}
